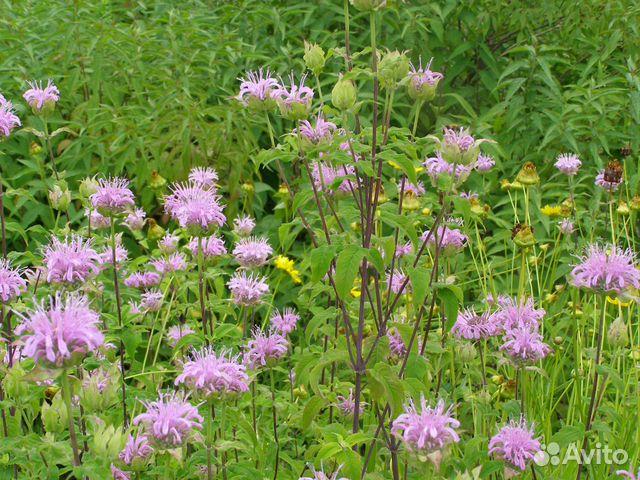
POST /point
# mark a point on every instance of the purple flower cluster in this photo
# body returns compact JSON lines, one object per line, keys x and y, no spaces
{"x":607,"y":269}
{"x":264,"y":349}
{"x":60,"y":333}
{"x":258,"y":89}
{"x":347,"y":405}
{"x":38,"y":97}
{"x":321,"y":475}
{"x":175,"y":333}
{"x":484,"y":163}
{"x":12,"y":285}
{"x":423,"y":81}
{"x":174,"y":263}
{"x":285,"y":322}
{"x":450,"y":240}
{"x":204,"y":176}
{"x":142,"y":280}
{"x":112,"y":196}
{"x":212,"y":246}
{"x":524,"y":344}
{"x":252,"y":252}
{"x":137,"y":450}
{"x":568,"y":163}
{"x":246,"y":289}
{"x":475,"y":326}
{"x":396,"y":281}
{"x":8,"y":119}
{"x":243,"y":226}
{"x":169,"y":421}
{"x":196,"y":208}
{"x":321,"y":132}
{"x":214,"y":375}
{"x":610,"y":186}
{"x":515,"y":443}
{"x":294,"y":101}
{"x":437,"y":166}
{"x":426,"y":429}
{"x":71,"y":261}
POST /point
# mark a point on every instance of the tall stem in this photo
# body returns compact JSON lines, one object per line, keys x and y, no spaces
{"x":66,"y":394}
{"x":116,"y":286}
{"x":275,"y":422}
{"x":203,"y":310}
{"x":209,"y":439}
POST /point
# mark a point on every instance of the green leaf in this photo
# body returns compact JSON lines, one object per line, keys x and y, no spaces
{"x":311,"y":409}
{"x":321,"y":259}
{"x":451,"y":299}
{"x":419,"y":284}
{"x":347,"y":268}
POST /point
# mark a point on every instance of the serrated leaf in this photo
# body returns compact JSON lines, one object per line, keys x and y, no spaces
{"x":347,"y":268}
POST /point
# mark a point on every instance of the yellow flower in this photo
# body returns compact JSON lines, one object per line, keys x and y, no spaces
{"x":617,"y":301}
{"x":286,"y":265}
{"x":295,"y":276}
{"x":356,"y":292}
{"x":398,"y":167}
{"x":551,"y":210}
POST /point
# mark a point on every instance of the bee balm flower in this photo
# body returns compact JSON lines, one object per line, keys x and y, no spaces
{"x":252,"y":252}
{"x":285,"y":322}
{"x":295,"y":101}
{"x":42,"y":99}
{"x":264,"y":349}
{"x":71,"y":261}
{"x":423,"y":82}
{"x":196,"y":208}
{"x":112,"y":196}
{"x":608,"y":269}
{"x":247,"y":290}
{"x":12,"y":285}
{"x":8,"y":119}
{"x":258,"y":90}
{"x":515,"y":443}
{"x":568,"y":163}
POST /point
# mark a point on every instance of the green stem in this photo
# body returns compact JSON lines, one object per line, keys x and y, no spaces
{"x":66,"y":395}
{"x":275,"y":422}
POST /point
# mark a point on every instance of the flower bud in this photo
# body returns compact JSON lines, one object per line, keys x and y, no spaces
{"x":393,"y":67}
{"x":634,"y":204}
{"x":558,"y":340}
{"x":155,"y":232}
{"x":618,"y":336}
{"x":157,"y":180}
{"x":528,"y":175}
{"x":35,"y":148}
{"x":107,"y":441}
{"x":623,"y":209}
{"x":99,"y":389}
{"x":88,"y":187}
{"x":314,"y":57}
{"x":369,"y":5}
{"x":467,"y":352}
{"x":344,"y":94}
{"x":523,"y":236}
{"x":59,"y":196}
{"x":300,"y":392}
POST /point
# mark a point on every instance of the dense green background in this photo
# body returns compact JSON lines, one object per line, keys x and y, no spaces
{"x":146,"y":85}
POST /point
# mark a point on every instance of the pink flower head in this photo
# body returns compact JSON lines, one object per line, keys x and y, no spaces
{"x":396,"y":343}
{"x":416,"y":190}
{"x":152,"y":300}
{"x":320,"y":475}
{"x":206,"y":177}
{"x":175,"y":333}
{"x":294,"y":101}
{"x":396,"y":281}
{"x":449,"y":240}
{"x":484,"y":163}
{"x":135,"y":219}
{"x":404,"y":250}
{"x":458,"y":138}
{"x":258,"y":89}
{"x":512,"y":314}
{"x":285,"y":322}
{"x":608,"y":186}
{"x":214,"y":375}
{"x":566,"y":227}
{"x":264,"y":349}
{"x":246,"y":289}
{"x":97,"y":380}
{"x":347,"y":405}
{"x":195,"y":208}
{"x":136,"y":450}
{"x":629,"y":474}
{"x":61,"y":332}
{"x":212,"y":247}
{"x":515,"y":443}
{"x":423,"y":81}
{"x":112,"y":196}
{"x":38,"y":98}
{"x":8,"y":119}
{"x":142,"y":280}
{"x":243,"y":226}
{"x":169,"y":243}
{"x":607,"y":269}
{"x":321,"y":132}
{"x":474,"y":326}
{"x":12,"y":285}
{"x":427,"y":430}
{"x":524,"y":345}
{"x":174,"y":263}
{"x":170,"y":421}
{"x":118,"y":474}
{"x":568,"y":163}
{"x":106,"y":256}
{"x":324,"y":177}
{"x":97,"y":220}
{"x":71,"y":261}
{"x":252,"y":252}
{"x":437,"y":166}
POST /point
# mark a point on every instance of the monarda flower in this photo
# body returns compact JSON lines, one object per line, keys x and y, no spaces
{"x":396,"y":343}
{"x":284,"y":322}
{"x":195,"y":208}
{"x":404,"y":250}
{"x":321,"y":132}
{"x":329,"y":178}
{"x":263,"y":350}
{"x":568,"y":163}
{"x":252,"y":252}
{"x":512,"y":313}
{"x":437,"y":167}
{"x":97,"y":220}
{"x":8,"y":119}
{"x":152,"y":300}
{"x":423,"y":82}
{"x":629,"y":474}
{"x":204,"y":176}
{"x":142,"y":280}
{"x":247,"y":290}
{"x":515,"y":443}
{"x":321,"y":475}
{"x":347,"y":405}
{"x":410,"y":194}
{"x":458,"y":147}
{"x":606,"y":269}
{"x":135,"y":219}
{"x":169,"y":243}
{"x":524,"y":345}
{"x":258,"y":90}
{"x":294,"y":101}
{"x":42,"y":99}
{"x":118,"y":474}
{"x":61,"y":333}
{"x":475,"y":326}
{"x":212,"y":375}
{"x":112,"y":196}
{"x":243,"y":226}
{"x":175,"y":333}
{"x":484,"y":163}
{"x":174,"y":263}
{"x":396,"y":280}
{"x":71,"y":261}
{"x":449,"y":240}
{"x":106,"y":256}
{"x":566,"y":227}
{"x":12,"y":285}
{"x":212,"y":247}
{"x":136,"y":452}
{"x":170,"y":421}
{"x":427,"y":430}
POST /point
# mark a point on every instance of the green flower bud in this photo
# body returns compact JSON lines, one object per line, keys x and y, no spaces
{"x":99,"y":389}
{"x":107,"y":441}
{"x":393,"y":67}
{"x":528,"y":175}
{"x":618,"y":335}
{"x":523,"y":236}
{"x":369,"y":5}
{"x":59,"y":196}
{"x":467,"y":352}
{"x":157,"y":180}
{"x":88,"y":187}
{"x":344,"y":94}
{"x":314,"y":57}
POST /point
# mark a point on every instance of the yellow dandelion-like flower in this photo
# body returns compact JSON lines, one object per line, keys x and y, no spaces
{"x":551,"y":210}
{"x":287,"y":265}
{"x":356,"y":292}
{"x":617,"y":301}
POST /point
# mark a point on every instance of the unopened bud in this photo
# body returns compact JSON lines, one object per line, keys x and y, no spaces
{"x":59,"y":196}
{"x":528,"y":175}
{"x":618,"y":336}
{"x":314,"y":57}
{"x":344,"y":94}
{"x":393,"y":67}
